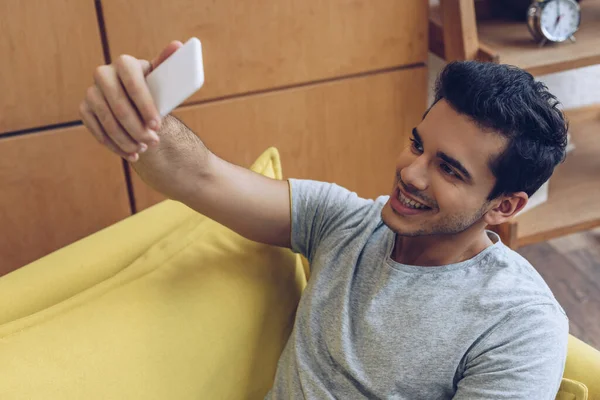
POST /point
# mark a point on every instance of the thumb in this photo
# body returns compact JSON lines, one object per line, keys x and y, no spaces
{"x":171,"y":48}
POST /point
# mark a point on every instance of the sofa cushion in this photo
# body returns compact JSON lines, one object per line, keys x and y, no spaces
{"x":203,"y":313}
{"x":42,"y":283}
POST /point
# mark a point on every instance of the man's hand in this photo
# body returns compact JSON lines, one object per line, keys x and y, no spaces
{"x":119,"y":110}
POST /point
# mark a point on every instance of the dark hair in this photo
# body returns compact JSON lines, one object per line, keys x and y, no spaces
{"x":509,"y":101}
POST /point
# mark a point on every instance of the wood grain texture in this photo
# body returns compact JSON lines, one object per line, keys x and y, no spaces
{"x":250,"y":46}
{"x":459,"y":30}
{"x":348,"y":131}
{"x":573,"y":201}
{"x":49,"y":52}
{"x":437,"y":46}
{"x":570,"y":265}
{"x":57,"y":187}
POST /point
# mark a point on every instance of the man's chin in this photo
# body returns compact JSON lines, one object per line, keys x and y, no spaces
{"x":392,"y":221}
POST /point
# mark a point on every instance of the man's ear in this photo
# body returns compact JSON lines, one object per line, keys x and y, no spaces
{"x":505,"y":208}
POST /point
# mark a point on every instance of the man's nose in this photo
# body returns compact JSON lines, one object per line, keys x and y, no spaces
{"x":415,"y":175}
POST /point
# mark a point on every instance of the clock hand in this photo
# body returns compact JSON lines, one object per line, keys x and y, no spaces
{"x":557,"y":13}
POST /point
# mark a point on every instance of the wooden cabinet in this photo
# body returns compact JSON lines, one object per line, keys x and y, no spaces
{"x":49,"y":50}
{"x":349,"y":131}
{"x":56,"y":187}
{"x":255,"y":45}
{"x":335,"y":85}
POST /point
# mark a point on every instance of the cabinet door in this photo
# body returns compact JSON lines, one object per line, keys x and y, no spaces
{"x":255,"y":45}
{"x":349,"y":131}
{"x":57,"y":187}
{"x":49,"y":51}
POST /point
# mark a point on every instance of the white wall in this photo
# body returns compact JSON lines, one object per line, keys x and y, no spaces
{"x":574,"y":88}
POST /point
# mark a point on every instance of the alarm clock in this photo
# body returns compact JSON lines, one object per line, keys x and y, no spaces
{"x":553,"y":20}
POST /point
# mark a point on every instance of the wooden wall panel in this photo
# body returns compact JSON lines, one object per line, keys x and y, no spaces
{"x":348,"y":131}
{"x":49,"y":51}
{"x":252,"y":45}
{"x":56,"y":187}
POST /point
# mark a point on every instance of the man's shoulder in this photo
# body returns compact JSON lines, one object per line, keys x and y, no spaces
{"x":517,"y":281}
{"x":333,"y":200}
{"x":520,"y":307}
{"x":330,"y":189}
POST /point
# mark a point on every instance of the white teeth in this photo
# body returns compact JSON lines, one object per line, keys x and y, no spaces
{"x":409,"y":202}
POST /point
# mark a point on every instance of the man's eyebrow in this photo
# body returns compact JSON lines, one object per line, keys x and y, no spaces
{"x":417,"y":136}
{"x":455,"y":163}
{"x":450,"y":160}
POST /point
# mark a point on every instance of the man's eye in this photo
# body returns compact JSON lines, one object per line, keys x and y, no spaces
{"x":447,"y":170}
{"x":416,"y":146}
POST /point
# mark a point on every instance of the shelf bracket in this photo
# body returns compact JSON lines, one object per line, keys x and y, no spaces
{"x":462,"y":33}
{"x":461,"y":41}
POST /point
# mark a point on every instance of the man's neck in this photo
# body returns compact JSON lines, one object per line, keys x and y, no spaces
{"x":437,"y":250}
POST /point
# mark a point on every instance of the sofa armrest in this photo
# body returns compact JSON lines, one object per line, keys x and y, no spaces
{"x":583,"y":365}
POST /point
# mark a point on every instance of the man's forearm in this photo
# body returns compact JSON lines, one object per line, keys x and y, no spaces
{"x":250,"y":204}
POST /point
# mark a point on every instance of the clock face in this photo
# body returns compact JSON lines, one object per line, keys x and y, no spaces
{"x":559,"y":19}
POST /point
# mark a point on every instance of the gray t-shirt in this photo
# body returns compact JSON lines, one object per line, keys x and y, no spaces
{"x":368,"y":327}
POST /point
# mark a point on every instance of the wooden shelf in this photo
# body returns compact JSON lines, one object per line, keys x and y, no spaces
{"x":509,"y":42}
{"x":574,"y":197}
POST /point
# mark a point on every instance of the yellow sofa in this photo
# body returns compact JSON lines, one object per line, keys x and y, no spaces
{"x":167,"y":304}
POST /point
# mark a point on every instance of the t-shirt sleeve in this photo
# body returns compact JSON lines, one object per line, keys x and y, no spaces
{"x":523,"y":358}
{"x":320,"y":208}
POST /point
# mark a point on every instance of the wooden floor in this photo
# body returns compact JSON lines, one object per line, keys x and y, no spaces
{"x":570,"y":265}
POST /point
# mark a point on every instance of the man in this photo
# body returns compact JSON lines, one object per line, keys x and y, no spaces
{"x":409,"y":297}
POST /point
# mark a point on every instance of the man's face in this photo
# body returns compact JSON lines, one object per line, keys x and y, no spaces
{"x":446,"y":170}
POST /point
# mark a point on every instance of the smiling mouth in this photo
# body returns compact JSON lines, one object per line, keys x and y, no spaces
{"x":410,"y":203}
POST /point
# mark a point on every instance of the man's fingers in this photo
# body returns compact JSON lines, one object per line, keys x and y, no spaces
{"x":138,"y":92}
{"x":131,"y":75}
{"x":97,"y":103}
{"x":119,"y":109}
{"x":108,"y":81}
{"x":146,"y":66}
{"x":93,"y":125}
{"x":133,"y":157}
{"x":90,"y":122}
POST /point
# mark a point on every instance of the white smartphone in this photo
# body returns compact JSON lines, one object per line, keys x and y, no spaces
{"x":178,"y":77}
